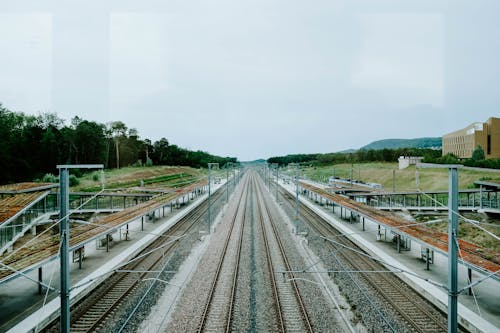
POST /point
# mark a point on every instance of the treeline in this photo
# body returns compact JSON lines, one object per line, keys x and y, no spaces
{"x":360,"y":156}
{"x":477,"y":160}
{"x":31,"y":146}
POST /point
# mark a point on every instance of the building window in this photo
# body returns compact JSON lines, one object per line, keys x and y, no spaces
{"x":488,"y":145}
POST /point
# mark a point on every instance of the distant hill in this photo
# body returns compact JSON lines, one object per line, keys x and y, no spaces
{"x":404,"y":143}
{"x":254,"y":162}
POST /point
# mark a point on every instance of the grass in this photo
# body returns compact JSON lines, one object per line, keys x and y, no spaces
{"x":132,"y":176}
{"x":432,"y":179}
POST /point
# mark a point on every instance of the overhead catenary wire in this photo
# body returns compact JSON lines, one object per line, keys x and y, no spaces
{"x":47,"y":291}
{"x":386,"y":263}
{"x":48,"y":229}
{"x":130,"y":261}
{"x":473,"y":222}
{"x":472,"y":289}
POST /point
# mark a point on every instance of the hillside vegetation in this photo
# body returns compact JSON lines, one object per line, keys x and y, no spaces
{"x":405,"y":143}
{"x":430,"y":179}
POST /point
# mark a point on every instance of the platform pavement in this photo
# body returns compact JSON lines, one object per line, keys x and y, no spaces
{"x":21,"y":293}
{"x":487,"y":293}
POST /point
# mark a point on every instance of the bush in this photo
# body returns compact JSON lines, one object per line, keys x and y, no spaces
{"x":137,"y":164}
{"x":49,"y":178}
{"x":478,"y":154}
{"x":73,"y":180}
{"x":149,"y":162}
{"x":96,"y":177}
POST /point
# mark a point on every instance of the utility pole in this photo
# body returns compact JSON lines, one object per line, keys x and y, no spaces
{"x":452,"y":250}
{"x":210,"y":165}
{"x":228,"y":164}
{"x":64,"y":233}
{"x":277,"y":180}
{"x":297,"y":220}
{"x":275,"y":166}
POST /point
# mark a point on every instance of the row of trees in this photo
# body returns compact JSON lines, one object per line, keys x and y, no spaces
{"x":388,"y":155}
{"x":478,"y":159}
{"x":31,"y":146}
{"x":360,"y":156}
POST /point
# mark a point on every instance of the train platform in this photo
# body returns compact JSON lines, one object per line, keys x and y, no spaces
{"x":478,"y":314}
{"x":24,"y":304}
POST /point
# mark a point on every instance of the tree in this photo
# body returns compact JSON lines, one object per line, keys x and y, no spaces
{"x":119,"y":131}
{"x":478,"y":153}
{"x":160,"y":150}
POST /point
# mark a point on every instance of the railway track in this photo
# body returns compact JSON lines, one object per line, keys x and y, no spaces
{"x":217,"y":313}
{"x":472,"y":253}
{"x":417,"y":312}
{"x":93,"y":311}
{"x":291,"y":312}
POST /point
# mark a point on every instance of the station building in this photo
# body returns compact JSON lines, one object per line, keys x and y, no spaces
{"x":463,"y":142}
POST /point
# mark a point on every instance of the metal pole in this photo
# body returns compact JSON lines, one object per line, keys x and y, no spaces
{"x":64,"y":258}
{"x":481,"y":196}
{"x":277,"y":179}
{"x":209,"y":204}
{"x":452,"y":250}
{"x":352,"y":166}
{"x":297,"y":222}
{"x":393,"y":180}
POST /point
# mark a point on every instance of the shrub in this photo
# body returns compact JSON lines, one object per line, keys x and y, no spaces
{"x":49,"y":178}
{"x":149,"y":162}
{"x":96,"y":177}
{"x":73,"y":180}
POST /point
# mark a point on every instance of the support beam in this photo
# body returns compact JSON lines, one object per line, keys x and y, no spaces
{"x":469,"y":279}
{"x":80,"y":257}
{"x":40,"y":280}
{"x":64,"y":258}
{"x":427,"y":259}
{"x":452,"y":250}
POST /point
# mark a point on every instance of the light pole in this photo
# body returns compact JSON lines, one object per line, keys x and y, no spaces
{"x":210,"y":165}
{"x":64,"y":232}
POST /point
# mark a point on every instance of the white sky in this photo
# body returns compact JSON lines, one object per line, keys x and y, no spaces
{"x":254,"y":79}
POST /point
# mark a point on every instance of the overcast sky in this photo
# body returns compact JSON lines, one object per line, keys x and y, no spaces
{"x":260,"y":78}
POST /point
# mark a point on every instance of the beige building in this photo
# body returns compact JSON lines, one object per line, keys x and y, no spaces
{"x":463,"y":142}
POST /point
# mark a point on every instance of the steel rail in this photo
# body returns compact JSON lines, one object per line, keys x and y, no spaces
{"x":288,"y":267}
{"x":213,"y":286}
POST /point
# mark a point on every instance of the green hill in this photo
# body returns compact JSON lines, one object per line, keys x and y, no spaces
{"x":404,"y":143}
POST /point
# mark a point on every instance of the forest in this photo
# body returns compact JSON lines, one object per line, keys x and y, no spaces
{"x":31,"y":146}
